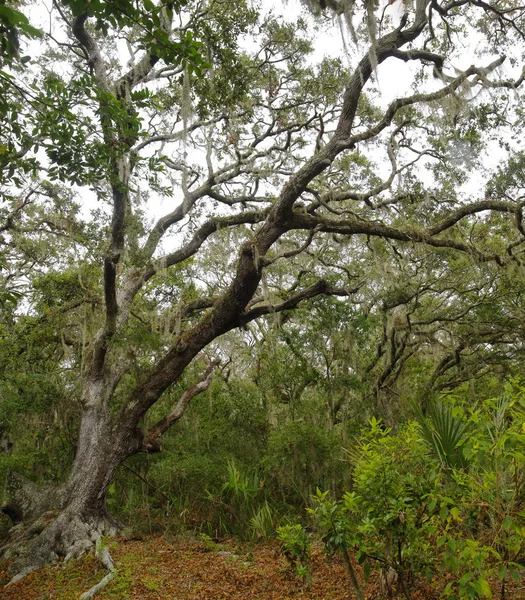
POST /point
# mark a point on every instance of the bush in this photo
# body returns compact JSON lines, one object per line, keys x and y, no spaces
{"x":296,"y":547}
{"x":418,"y":509}
{"x":389,"y":517}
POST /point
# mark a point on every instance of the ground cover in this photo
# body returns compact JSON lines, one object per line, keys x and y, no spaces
{"x":157,"y":568}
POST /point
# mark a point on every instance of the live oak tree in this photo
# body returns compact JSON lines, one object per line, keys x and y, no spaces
{"x":260,"y":148}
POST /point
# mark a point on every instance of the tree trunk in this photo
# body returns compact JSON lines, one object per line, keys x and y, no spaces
{"x":102,"y":447}
{"x":72,"y":518}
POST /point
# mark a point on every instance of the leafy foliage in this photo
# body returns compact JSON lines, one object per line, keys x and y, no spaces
{"x":296,"y":547}
{"x":444,"y":431}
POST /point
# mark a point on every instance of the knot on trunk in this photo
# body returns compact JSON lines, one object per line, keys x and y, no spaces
{"x":152,"y":444}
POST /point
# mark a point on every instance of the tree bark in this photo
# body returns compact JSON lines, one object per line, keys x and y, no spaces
{"x":70,"y":519}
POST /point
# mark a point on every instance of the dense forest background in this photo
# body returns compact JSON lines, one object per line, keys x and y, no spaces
{"x":251,"y":287}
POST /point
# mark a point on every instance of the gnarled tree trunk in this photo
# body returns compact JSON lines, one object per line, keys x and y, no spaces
{"x":66,"y":521}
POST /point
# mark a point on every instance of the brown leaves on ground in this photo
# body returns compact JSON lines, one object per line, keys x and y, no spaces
{"x":158,"y":569}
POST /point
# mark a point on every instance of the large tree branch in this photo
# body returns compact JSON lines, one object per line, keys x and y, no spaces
{"x":383,"y":49}
{"x":118,"y":177}
{"x":471,"y":209}
{"x":137,"y":278}
{"x":94,"y":56}
{"x":119,"y":182}
{"x":340,"y":140}
{"x":361,"y":227}
{"x":201,"y":235}
{"x":140,"y":71}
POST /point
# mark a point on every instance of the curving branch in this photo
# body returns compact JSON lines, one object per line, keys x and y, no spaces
{"x":472,"y":209}
{"x":422,"y":55}
{"x":400,"y":103}
{"x":152,"y":439}
{"x":201,"y":235}
{"x":140,"y":71}
{"x":87,"y":42}
{"x":375,"y":229}
{"x":335,"y":197}
{"x":176,"y":136}
{"x":138,"y":277}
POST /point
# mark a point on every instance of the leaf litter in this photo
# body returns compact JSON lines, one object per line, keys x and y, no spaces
{"x":160,"y":568}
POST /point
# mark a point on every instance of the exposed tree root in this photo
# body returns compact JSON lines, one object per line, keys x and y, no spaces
{"x":105,"y":558}
{"x":21,"y":575}
{"x":66,"y":535}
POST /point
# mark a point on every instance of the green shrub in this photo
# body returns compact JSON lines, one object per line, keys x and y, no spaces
{"x":416,"y":508}
{"x":390,"y":517}
{"x":296,"y":547}
{"x":337,"y":532}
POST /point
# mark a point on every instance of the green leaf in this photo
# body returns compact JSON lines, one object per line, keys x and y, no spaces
{"x":515,"y":574}
{"x":507,"y":523}
{"x":465,"y":579}
{"x":455,"y":513}
{"x":482,"y":587}
{"x":443,"y":512}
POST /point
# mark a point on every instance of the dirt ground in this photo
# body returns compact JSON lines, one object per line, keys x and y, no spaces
{"x":157,"y":568}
